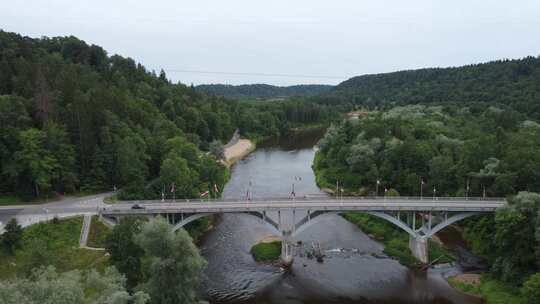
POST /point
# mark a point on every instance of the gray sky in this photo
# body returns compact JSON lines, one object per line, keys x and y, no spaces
{"x":287,"y":42}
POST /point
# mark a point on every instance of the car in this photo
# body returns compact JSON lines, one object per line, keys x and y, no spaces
{"x":137,"y":206}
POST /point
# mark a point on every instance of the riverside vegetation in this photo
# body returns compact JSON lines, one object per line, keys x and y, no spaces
{"x":74,"y":119}
{"x":457,"y":153}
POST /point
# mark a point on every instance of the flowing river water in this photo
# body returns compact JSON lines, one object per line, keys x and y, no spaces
{"x":359,"y":274}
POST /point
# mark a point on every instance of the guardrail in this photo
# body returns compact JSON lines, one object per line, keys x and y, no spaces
{"x":330,"y":198}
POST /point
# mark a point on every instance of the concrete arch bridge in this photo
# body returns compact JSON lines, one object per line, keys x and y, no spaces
{"x":421,"y":218}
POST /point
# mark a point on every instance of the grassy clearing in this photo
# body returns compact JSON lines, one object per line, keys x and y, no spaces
{"x":9,"y":200}
{"x":396,"y":241}
{"x":98,"y":233}
{"x":54,"y":243}
{"x":6,"y":200}
{"x":493,"y":291}
{"x":112,"y":199}
{"x":266,"y":252}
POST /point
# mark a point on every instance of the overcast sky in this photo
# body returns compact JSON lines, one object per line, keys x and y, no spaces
{"x":284,"y":42}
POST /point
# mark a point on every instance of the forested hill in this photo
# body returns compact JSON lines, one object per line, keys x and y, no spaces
{"x":73,"y":118}
{"x":263,"y":91}
{"x":515,"y":83}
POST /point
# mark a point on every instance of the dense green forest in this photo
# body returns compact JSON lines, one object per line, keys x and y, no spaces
{"x":454,"y":151}
{"x":262,"y":91}
{"x":514,"y":83}
{"x":73,"y":118}
{"x":447,"y":147}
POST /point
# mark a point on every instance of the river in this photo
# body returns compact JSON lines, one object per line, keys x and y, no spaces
{"x":361,"y":275}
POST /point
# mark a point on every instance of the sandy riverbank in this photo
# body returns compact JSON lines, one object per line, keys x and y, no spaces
{"x":237,"y":151}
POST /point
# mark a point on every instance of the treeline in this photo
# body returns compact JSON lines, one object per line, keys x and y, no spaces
{"x":514,"y":83}
{"x":450,"y":151}
{"x":262,"y":91}
{"x":73,"y":118}
{"x":454,"y":151}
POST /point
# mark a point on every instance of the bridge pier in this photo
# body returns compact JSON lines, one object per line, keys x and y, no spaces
{"x":286,"y":249}
{"x":419,"y":248}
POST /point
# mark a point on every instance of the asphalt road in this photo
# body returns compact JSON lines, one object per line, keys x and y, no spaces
{"x":30,"y":214}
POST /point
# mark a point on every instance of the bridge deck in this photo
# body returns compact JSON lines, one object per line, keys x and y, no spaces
{"x":330,"y":204}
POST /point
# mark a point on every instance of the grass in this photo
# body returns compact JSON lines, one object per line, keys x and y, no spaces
{"x":492,"y":290}
{"x":112,"y":199}
{"x":10,"y":199}
{"x":98,"y":233}
{"x":6,"y":200}
{"x":396,"y":241}
{"x":266,"y":252}
{"x":53,"y":243}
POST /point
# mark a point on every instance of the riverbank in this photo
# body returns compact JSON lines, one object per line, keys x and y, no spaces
{"x":237,"y":151}
{"x":486,"y":287}
{"x":396,"y":242}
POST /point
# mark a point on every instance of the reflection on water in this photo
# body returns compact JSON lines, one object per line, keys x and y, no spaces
{"x":359,"y":274}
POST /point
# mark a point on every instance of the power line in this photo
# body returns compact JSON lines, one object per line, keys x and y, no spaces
{"x":254,"y":74}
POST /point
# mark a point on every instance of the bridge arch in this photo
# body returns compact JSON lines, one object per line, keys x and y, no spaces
{"x":426,"y":231}
{"x":259,"y":215}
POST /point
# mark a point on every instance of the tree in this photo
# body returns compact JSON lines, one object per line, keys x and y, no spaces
{"x":531,"y":289}
{"x":46,"y":286}
{"x":35,"y":160}
{"x":175,"y":170}
{"x":216,"y":149}
{"x":57,"y":142}
{"x":175,"y":265}
{"x":125,"y":252}
{"x":517,"y":256}
{"x":12,"y":236}
{"x":132,"y":167}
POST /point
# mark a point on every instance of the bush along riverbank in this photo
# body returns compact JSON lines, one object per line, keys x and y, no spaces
{"x":266,"y":251}
{"x":396,"y":242}
{"x":488,"y":288}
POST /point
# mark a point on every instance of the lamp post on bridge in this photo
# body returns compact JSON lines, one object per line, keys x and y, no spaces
{"x":377,"y":187}
{"x":434,"y":192}
{"x":421,"y":187}
{"x":163,"y":193}
{"x":467,"y":191}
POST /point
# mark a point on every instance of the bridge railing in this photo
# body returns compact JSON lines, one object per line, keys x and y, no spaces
{"x":427,"y":199}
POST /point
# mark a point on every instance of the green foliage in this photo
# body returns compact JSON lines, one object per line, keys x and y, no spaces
{"x":506,"y":82}
{"x":445,"y":147}
{"x":531,"y":289}
{"x":511,"y":239}
{"x":98,"y":234}
{"x":73,"y":118}
{"x":216,"y":148}
{"x":266,"y":252}
{"x":174,"y":263}
{"x":54,"y":244}
{"x":261,"y":91}
{"x":46,"y":286}
{"x":491,"y":290}
{"x":35,"y":160}
{"x":125,"y":253}
{"x":12,"y":236}
{"x":395,"y":240}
